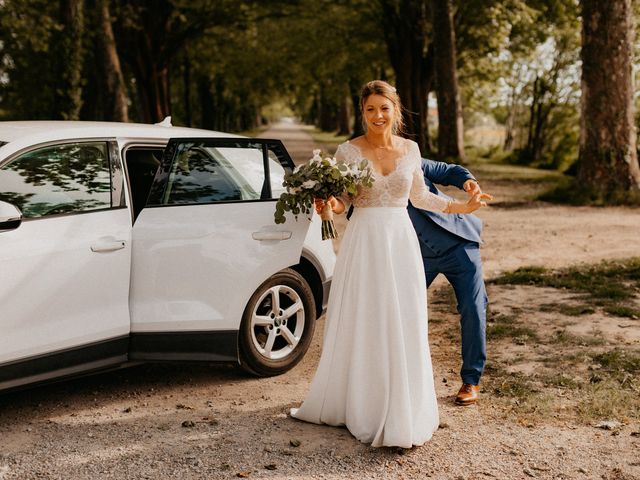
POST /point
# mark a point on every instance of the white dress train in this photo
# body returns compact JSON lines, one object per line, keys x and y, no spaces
{"x":375,"y":373}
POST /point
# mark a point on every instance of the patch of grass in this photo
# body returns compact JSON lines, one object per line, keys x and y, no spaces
{"x":583,"y":278}
{"x":607,"y":284}
{"x":502,"y":318}
{"x":623,"y":311}
{"x":498,"y":171}
{"x":608,"y":390}
{"x":568,"y":310}
{"x":566,"y":192}
{"x":523,"y":276}
{"x":563,"y":337}
{"x":571,"y":192}
{"x":514,"y":385}
{"x":607,"y":401}
{"x":564,"y":359}
{"x":520,"y":394}
{"x":612,"y":392}
{"x":618,"y":360}
{"x":504,"y":326}
{"x":559,"y":380}
{"x":504,"y":331}
{"x":576,"y":377}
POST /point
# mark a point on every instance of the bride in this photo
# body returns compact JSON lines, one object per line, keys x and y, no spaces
{"x":375,"y":373}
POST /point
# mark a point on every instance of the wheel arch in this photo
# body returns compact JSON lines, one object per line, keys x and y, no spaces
{"x":309,"y":268}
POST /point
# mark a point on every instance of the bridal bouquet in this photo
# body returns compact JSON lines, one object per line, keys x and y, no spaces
{"x":321,"y":177}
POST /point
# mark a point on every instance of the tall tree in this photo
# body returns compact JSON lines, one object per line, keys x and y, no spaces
{"x":27,"y":32}
{"x":69,"y":52}
{"x":406,"y":24}
{"x":152,"y":34}
{"x":116,"y":108}
{"x":450,"y":129}
{"x":608,"y":161}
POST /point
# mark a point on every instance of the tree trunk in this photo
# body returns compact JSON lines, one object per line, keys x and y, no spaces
{"x":186,"y":78}
{"x":450,"y":130}
{"x":527,"y":155}
{"x":150,"y":45}
{"x":344,"y":116}
{"x":206,"y":101}
{"x":509,"y":137}
{"x":327,"y":113}
{"x":69,"y":52}
{"x":220,"y":114}
{"x":405,"y":29}
{"x":608,"y":161}
{"x":152,"y":82}
{"x":354,"y":93}
{"x":115,"y":96}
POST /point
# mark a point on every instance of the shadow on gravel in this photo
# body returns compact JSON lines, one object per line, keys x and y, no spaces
{"x":125,"y":382}
{"x":520,"y":204}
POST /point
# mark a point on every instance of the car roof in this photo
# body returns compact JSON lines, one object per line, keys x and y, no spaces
{"x":56,"y":129}
{"x":16,"y":136}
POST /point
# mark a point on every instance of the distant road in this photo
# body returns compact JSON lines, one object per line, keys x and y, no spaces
{"x":295,"y":138}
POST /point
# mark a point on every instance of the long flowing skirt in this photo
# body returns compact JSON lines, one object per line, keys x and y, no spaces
{"x":375,"y":373}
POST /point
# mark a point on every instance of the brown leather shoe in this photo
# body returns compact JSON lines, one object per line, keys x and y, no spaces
{"x":468,"y":394}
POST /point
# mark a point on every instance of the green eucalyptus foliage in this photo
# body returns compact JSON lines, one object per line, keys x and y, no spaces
{"x":320,"y":179}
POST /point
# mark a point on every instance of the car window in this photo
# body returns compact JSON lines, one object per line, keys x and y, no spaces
{"x":67,"y":178}
{"x":247,"y":166}
{"x":206,"y":174}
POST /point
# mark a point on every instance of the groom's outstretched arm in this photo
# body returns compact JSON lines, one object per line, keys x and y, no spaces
{"x":445,"y":173}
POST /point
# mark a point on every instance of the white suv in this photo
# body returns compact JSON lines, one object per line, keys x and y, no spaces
{"x":125,"y":242}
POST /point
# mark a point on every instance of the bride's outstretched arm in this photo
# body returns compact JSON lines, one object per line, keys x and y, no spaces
{"x":421,"y":197}
{"x":475,"y":202}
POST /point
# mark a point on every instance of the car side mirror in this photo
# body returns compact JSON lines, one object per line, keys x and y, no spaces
{"x":10,"y":217}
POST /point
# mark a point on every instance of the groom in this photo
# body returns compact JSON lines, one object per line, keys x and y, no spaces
{"x":450,"y":245}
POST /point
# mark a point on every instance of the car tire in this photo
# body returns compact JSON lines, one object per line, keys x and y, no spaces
{"x":272,"y":342}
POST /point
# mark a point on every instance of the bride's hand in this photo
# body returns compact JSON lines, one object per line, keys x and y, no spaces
{"x":477,"y":201}
{"x":336,"y":205}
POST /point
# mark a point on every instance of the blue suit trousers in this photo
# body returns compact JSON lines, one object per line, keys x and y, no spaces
{"x":462,"y":267}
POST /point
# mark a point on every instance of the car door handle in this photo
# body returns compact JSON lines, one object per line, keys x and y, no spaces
{"x":107,"y":245}
{"x":271,"y":235}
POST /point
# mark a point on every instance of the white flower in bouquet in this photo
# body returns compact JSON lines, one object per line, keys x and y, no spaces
{"x":321,"y":177}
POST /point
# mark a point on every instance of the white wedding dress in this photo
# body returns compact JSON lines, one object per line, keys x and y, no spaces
{"x":375,"y":373}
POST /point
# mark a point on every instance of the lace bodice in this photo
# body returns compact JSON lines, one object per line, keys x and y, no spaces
{"x":404,"y":183}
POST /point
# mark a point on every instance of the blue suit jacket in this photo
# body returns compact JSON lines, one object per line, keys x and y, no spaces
{"x":439,"y":232}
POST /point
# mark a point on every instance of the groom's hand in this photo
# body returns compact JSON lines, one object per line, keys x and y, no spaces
{"x":472,"y":187}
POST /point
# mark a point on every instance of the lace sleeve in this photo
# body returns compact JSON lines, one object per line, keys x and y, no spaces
{"x":420,"y":195}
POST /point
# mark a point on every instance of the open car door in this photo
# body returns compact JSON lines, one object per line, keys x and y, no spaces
{"x":204,"y":243}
